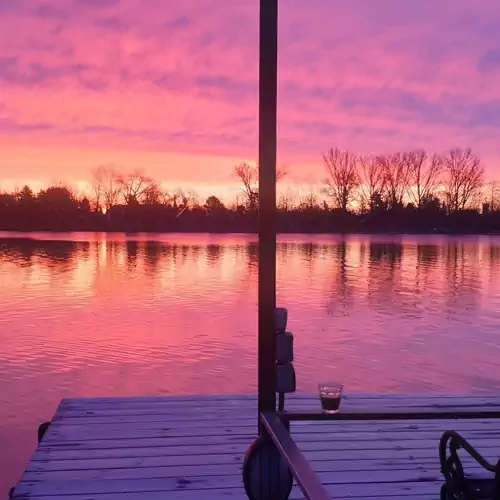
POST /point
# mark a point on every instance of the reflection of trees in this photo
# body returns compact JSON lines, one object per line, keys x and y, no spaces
{"x":132,"y":250}
{"x":427,"y":255}
{"x":388,"y":253}
{"x":427,"y":261}
{"x":253,"y":259}
{"x":462,"y":273}
{"x":214,"y":254}
{"x":195,"y":252}
{"x":58,"y":255}
{"x":342,"y":289}
{"x":493,"y":258}
{"x":152,"y":255}
{"x":384,"y":263}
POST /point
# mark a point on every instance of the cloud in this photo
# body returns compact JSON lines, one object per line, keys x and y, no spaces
{"x":11,"y":126}
{"x":490,"y":61}
{"x":13,"y":71}
{"x":178,"y":23}
{"x":96,"y":3}
{"x":8,"y":5}
{"x":49,"y":11}
{"x":112,"y":23}
{"x":183,"y":76}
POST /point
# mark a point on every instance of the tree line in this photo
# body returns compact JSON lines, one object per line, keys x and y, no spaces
{"x":453,"y":181}
{"x":410,"y":191}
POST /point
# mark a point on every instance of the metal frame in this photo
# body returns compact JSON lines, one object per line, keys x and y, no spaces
{"x":388,"y":414}
{"x":306,"y":478}
{"x":277,"y":424}
{"x":268,"y":92}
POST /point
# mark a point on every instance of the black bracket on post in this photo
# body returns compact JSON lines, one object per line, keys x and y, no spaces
{"x":285,"y":372}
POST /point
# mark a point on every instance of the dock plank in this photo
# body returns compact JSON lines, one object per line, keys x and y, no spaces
{"x":163,"y":447}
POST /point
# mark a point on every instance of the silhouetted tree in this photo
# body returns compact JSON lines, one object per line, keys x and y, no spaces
{"x":213,"y":204}
{"x":286,"y":201}
{"x":172,"y":198}
{"x":105,"y":188}
{"x":57,"y":198}
{"x":397,"y":175}
{"x":26,"y":196}
{"x":187,"y":198}
{"x":343,"y":177}
{"x":84,"y":204}
{"x":464,"y":179}
{"x":153,"y":195}
{"x":7,"y":200}
{"x":372,"y":182}
{"x":309,"y":201}
{"x":249,"y":177}
{"x":134,"y":186}
{"x":431,"y":204}
{"x":424,"y":176}
{"x":491,"y":195}
{"x":378,"y":202}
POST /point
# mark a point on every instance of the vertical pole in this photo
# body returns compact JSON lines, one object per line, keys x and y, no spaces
{"x":268,"y":83}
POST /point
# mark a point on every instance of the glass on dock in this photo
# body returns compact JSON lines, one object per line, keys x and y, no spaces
{"x":330,"y":394}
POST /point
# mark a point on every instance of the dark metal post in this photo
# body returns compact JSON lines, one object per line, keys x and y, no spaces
{"x":268,"y":83}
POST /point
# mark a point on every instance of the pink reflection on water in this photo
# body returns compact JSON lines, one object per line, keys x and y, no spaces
{"x":101,"y":315}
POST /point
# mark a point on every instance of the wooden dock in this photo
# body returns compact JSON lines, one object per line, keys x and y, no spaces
{"x":183,"y":448}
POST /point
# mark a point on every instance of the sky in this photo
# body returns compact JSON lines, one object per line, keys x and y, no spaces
{"x":170,"y":87}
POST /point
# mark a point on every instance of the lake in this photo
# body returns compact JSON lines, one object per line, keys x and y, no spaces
{"x":104,"y":315}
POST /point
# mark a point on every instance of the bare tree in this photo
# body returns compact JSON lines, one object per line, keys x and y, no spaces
{"x":464,"y":179}
{"x":249,"y":177}
{"x":134,"y":186}
{"x":372,"y":182}
{"x":343,"y":177}
{"x":491,"y":195}
{"x":183,"y":199}
{"x":309,"y":200}
{"x":105,"y":189}
{"x":153,"y":195}
{"x":425,"y":172}
{"x":287,"y":200}
{"x":189,"y":198}
{"x":398,"y":175}
{"x":173,"y":198}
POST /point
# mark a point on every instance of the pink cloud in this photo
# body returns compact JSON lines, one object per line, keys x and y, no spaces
{"x":182,"y":77}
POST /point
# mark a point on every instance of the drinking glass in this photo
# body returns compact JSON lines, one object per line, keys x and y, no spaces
{"x":330,"y":394}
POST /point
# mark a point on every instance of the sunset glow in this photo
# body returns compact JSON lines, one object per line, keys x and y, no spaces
{"x":171,"y":87}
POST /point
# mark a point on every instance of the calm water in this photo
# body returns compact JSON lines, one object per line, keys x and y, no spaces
{"x":97,"y":315}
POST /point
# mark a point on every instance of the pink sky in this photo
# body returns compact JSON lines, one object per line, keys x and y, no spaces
{"x":171,"y":87}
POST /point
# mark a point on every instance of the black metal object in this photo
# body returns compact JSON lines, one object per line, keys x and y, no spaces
{"x":389,"y":414}
{"x":276,"y":426}
{"x":268,"y":83}
{"x":266,"y":475}
{"x":302,"y":472}
{"x":273,"y":460}
{"x":457,"y":485}
{"x":42,"y":429}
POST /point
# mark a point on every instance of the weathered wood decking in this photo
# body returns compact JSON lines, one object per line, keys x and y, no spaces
{"x":184,"y":448}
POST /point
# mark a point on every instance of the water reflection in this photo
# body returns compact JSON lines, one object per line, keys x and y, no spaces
{"x":116,"y":315}
{"x":384,"y":275}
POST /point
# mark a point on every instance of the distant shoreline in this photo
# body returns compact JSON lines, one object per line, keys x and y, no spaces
{"x":166,"y":220}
